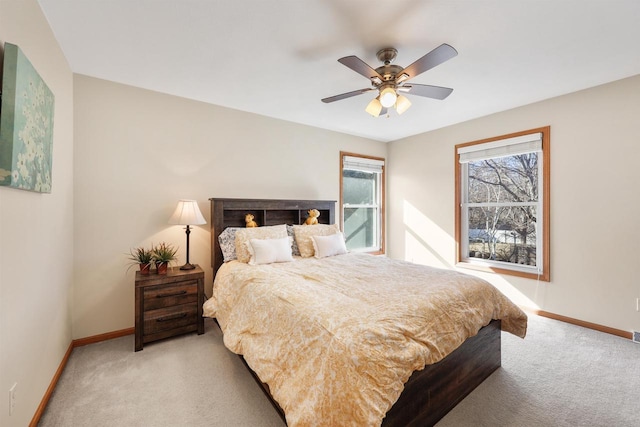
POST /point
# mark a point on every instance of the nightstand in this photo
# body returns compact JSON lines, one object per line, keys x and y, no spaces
{"x":168,"y":304}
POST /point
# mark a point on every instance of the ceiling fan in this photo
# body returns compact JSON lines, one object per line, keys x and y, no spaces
{"x":391,"y":80}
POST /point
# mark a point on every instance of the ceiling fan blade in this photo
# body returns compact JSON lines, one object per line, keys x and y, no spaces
{"x":436,"y":92}
{"x":437,"y":56}
{"x":346,"y":95}
{"x":383,"y":111}
{"x":359,"y":66}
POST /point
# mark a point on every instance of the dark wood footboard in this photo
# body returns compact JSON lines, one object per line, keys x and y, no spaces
{"x":431,"y":393}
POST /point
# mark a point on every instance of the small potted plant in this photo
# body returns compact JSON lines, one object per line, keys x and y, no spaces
{"x":162,"y":255}
{"x":142,"y":257}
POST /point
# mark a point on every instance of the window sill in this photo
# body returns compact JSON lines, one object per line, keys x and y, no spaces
{"x":544,"y":276}
{"x":371,"y":252}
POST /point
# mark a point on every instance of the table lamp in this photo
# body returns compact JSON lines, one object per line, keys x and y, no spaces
{"x":187,"y":213}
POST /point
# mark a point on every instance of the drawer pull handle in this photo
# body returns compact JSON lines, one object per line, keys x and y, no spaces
{"x":166,"y":319}
{"x":171,"y":295}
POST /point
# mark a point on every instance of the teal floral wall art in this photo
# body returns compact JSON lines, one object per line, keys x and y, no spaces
{"x":26,"y":125}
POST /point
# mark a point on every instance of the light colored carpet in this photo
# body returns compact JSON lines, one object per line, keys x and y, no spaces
{"x":560,"y":375}
{"x":190,"y":380}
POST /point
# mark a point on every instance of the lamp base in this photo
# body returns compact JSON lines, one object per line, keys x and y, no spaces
{"x":187,"y":266}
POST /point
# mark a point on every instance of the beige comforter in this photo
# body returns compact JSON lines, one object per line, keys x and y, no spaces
{"x":336,"y":338}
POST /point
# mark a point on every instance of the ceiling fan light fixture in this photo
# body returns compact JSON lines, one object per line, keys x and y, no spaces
{"x":374,"y":108}
{"x":388,"y":97}
{"x":402,"y":104}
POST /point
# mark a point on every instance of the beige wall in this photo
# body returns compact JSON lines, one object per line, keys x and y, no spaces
{"x":138,"y":152}
{"x":36,"y":235}
{"x":594,"y":201}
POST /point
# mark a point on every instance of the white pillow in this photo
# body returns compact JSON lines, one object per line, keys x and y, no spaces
{"x":243,"y":235}
{"x":303,"y":235}
{"x":325,"y":246}
{"x":266,"y":251}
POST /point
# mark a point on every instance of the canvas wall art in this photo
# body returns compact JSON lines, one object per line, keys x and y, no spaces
{"x":26,"y":125}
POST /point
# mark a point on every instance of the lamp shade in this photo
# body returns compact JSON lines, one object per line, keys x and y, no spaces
{"x":187,"y":213}
{"x":402,"y":104}
{"x":374,"y":108}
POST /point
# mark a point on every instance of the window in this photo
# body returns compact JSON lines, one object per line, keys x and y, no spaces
{"x":502,"y":204}
{"x":362,"y":201}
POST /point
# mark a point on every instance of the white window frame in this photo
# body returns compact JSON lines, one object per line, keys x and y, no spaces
{"x":535,"y":140}
{"x":352,"y":161}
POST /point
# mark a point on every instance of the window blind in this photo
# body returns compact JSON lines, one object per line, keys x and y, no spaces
{"x":502,"y":148}
{"x":362,"y":164}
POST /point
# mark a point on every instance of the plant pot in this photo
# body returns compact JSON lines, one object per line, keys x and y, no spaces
{"x":145,"y":268}
{"x":162,"y":267}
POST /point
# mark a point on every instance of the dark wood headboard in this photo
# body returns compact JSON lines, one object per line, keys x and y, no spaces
{"x":230,"y":213}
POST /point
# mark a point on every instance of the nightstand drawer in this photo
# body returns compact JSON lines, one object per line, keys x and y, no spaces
{"x":168,"y":304}
{"x":170,"y":318}
{"x":168,"y":296}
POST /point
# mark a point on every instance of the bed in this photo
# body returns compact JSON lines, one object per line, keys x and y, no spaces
{"x":329,"y":343}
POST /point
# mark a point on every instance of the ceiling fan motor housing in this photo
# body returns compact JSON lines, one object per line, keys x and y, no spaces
{"x":387,"y":55}
{"x":389,"y":72}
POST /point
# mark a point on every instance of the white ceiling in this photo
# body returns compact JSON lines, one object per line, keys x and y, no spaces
{"x":278,"y":58}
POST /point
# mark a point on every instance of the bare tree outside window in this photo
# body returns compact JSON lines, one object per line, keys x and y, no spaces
{"x":502,"y":204}
{"x":503,"y":195}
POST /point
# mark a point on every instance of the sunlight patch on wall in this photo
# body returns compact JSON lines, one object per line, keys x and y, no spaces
{"x":425,"y":242}
{"x":508,"y":289}
{"x":512,"y":292}
{"x":428,"y":244}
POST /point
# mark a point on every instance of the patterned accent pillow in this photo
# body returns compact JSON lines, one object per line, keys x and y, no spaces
{"x":227,"y":240}
{"x":243,"y":235}
{"x":294,"y":245}
{"x":304,"y":232}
